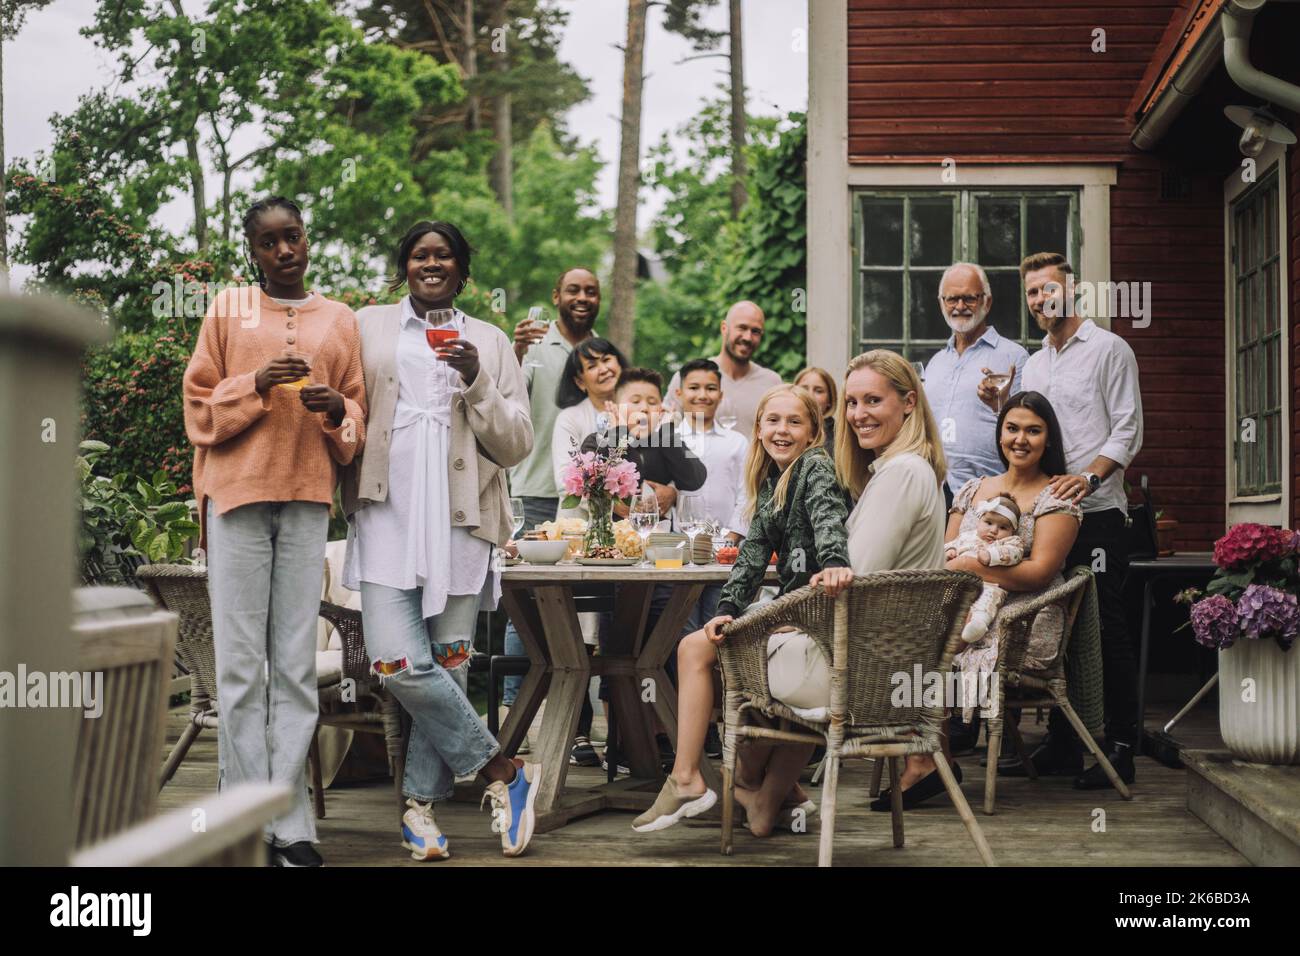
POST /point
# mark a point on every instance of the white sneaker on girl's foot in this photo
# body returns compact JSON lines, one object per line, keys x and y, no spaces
{"x":420,"y":834}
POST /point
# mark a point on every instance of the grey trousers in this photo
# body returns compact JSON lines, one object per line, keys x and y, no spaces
{"x":265,"y":567}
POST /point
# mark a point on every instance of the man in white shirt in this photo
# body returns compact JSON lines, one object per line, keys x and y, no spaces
{"x":744,"y":381}
{"x":1090,"y":376}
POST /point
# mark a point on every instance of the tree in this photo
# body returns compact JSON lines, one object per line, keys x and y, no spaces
{"x":501,"y":167}
{"x":12,"y":15}
{"x":694,"y":234}
{"x":685,"y":17}
{"x":622,"y":332}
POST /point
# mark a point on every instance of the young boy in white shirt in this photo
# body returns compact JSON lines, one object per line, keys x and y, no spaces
{"x":723,"y":451}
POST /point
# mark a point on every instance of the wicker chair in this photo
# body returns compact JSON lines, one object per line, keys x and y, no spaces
{"x":883,"y":624}
{"x":1021,"y":686}
{"x":184,"y":589}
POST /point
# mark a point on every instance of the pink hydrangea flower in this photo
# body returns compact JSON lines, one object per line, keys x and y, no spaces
{"x":1248,"y":542}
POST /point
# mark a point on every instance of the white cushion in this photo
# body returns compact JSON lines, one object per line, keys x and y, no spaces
{"x":797,"y":672}
{"x":329,"y":667}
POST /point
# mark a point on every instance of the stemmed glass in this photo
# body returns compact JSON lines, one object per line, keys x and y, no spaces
{"x":540,"y":322}
{"x":440,"y":327}
{"x":644,"y":515}
{"x":517,"y":515}
{"x":727,"y":419}
{"x":692,"y":519}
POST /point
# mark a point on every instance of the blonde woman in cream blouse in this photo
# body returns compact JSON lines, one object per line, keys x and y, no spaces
{"x":889,"y":457}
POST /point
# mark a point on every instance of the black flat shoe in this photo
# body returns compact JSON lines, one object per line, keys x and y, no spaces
{"x":1121,"y":758}
{"x":1048,"y":760}
{"x":931,"y":785}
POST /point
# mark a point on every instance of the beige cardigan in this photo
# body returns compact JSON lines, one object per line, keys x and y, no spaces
{"x":490,"y":425}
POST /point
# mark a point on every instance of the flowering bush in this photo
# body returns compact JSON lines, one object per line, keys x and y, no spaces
{"x":1214,"y":622}
{"x":1254,"y":591}
{"x":1268,"y":612}
{"x":1249,"y":543}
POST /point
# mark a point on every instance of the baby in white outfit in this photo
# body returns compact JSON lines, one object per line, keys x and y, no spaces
{"x":995,"y":544}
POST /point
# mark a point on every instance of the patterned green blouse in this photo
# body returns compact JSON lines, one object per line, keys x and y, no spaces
{"x":808,"y":534}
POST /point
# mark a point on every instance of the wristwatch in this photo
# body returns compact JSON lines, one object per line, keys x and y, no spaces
{"x":1093,"y":481}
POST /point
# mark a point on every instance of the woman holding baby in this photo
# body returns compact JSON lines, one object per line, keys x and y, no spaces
{"x":890,"y":459}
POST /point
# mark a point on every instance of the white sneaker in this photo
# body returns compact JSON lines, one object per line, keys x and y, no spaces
{"x":420,"y":834}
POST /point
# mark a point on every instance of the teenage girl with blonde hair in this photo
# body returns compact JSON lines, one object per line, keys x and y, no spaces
{"x":798,"y":509}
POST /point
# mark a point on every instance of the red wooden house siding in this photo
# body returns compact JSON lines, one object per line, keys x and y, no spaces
{"x":1011,"y":81}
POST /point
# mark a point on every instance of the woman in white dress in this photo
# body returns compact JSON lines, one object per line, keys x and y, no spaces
{"x":426,"y":506}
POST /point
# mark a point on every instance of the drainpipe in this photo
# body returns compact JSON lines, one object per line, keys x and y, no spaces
{"x":1239,"y":17}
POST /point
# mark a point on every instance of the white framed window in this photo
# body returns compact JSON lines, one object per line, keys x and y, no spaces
{"x":1256,"y":344}
{"x":836,"y":189}
{"x":905,"y":239}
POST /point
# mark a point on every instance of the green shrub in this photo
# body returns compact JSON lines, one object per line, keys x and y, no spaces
{"x":127,"y":520}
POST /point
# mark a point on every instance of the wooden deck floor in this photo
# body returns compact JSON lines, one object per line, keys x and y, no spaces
{"x":1044,"y":823}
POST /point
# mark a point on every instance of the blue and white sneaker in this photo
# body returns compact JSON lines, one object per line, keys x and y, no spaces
{"x":420,"y":834}
{"x":512,"y":808}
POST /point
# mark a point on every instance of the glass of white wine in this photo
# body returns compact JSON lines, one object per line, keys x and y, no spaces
{"x":540,"y":323}
{"x":691,"y":519}
{"x":644,"y":515}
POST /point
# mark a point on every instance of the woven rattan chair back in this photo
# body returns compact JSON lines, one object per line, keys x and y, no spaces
{"x":183,"y":588}
{"x":896,"y":623}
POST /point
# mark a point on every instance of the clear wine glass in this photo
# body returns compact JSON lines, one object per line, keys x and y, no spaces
{"x":517,"y":514}
{"x":644,"y":515}
{"x":727,"y":419}
{"x":541,"y":322}
{"x":691,"y":519}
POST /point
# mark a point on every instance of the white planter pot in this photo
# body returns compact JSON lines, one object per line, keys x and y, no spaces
{"x":1267,"y":729}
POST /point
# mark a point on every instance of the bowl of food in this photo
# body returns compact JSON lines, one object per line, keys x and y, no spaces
{"x":542,"y":552}
{"x":727,"y":554}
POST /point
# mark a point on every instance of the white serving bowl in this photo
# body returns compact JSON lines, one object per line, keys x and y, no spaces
{"x":542,"y":552}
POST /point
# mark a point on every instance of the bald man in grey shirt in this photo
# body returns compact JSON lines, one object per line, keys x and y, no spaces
{"x":744,"y":381}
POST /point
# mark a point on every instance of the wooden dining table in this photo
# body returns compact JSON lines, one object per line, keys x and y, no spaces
{"x":541,"y":601}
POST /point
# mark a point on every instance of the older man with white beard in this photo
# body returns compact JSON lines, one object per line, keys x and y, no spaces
{"x":967,"y":425}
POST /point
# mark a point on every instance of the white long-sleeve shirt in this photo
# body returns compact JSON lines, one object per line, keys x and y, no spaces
{"x":1092,"y":383}
{"x":723,"y":451}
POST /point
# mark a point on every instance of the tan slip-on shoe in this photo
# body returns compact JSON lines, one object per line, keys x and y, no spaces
{"x":671,"y":806}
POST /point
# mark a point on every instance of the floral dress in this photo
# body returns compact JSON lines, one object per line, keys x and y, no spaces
{"x":1045,"y":636}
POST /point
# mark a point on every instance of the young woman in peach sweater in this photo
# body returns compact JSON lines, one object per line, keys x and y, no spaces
{"x":274,"y":404}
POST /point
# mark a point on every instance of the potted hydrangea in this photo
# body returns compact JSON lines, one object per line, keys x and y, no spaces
{"x":1249,"y":614}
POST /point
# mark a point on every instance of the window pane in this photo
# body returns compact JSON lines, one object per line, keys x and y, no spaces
{"x":1270,"y":316}
{"x":882,"y":228}
{"x":999,"y":232}
{"x":1007,"y":297}
{"x":1271,"y":391}
{"x":921,"y":353}
{"x":1048,"y":225}
{"x":931,"y":229}
{"x":1269,"y":224}
{"x":882,"y":305}
{"x":926,"y":317}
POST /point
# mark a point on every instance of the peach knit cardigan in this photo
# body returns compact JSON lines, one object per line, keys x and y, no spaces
{"x":250,"y":448}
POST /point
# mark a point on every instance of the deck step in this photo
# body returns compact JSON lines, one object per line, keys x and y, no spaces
{"x":1254,"y":807}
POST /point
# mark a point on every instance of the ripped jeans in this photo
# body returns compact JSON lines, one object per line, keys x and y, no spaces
{"x":448,"y":740}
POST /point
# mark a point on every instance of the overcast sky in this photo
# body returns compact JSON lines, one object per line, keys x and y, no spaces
{"x":50,"y":65}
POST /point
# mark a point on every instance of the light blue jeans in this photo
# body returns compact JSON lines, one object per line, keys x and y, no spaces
{"x":265,"y":566}
{"x":447,"y":738}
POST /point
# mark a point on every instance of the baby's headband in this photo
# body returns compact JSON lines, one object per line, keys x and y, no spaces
{"x":992,"y":506}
